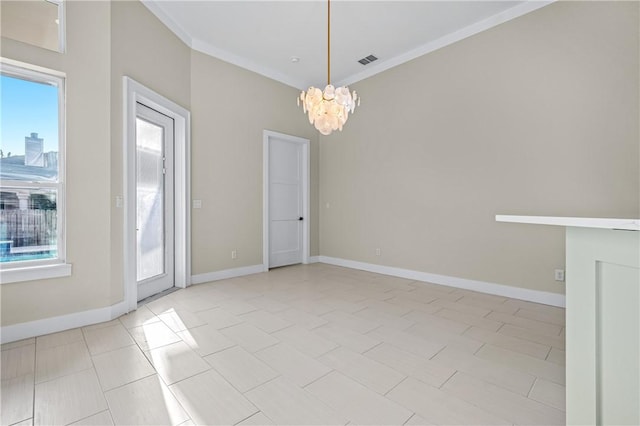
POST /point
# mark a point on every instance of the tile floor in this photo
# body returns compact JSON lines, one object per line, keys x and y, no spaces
{"x":312,"y":344}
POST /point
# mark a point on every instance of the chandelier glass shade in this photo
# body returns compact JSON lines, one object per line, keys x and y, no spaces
{"x":328,"y":109}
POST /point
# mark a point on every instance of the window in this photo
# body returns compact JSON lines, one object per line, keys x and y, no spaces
{"x":31,"y":169}
{"x":36,"y":22}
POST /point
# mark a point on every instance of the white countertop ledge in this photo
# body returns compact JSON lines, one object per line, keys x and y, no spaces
{"x":580,"y":222}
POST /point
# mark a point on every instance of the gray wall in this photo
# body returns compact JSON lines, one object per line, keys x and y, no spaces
{"x":538,"y":116}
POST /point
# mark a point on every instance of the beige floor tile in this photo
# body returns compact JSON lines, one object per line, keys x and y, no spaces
{"x":357,"y":403}
{"x":16,"y":399}
{"x":121,"y":366}
{"x":305,"y":341}
{"x":59,"y":361}
{"x":461,"y":307}
{"x":342,"y":305}
{"x":162,"y":305}
{"x":534,"y":366}
{"x":18,"y":343}
{"x":265,"y":321}
{"x":139,"y":317}
{"x":507,"y":342}
{"x":536,"y":307}
{"x":196,"y":304}
{"x":297,"y":367}
{"x":427,"y":295}
{"x":533,"y":336}
{"x":488,"y":304}
{"x":145,"y":402}
{"x":411,"y":365}
{"x":549,"y":393}
{"x":538,"y":326}
{"x":269,"y":305}
{"x":68,"y":399}
{"x":287,"y":404}
{"x":209,"y":399}
{"x":154,"y":335}
{"x":494,"y":298}
{"x":384,"y":318}
{"x":417,"y":420}
{"x":470,"y":319}
{"x":106,"y":339}
{"x":508,"y":405}
{"x":314,"y":306}
{"x":176,"y":362}
{"x":438,"y":407}
{"x":439,"y":336}
{"x":489,"y":371}
{"x":58,"y":339}
{"x":553,"y":317}
{"x":434,"y":320}
{"x":258,"y":419}
{"x":348,"y":338}
{"x":243,"y":370}
{"x":101,"y":419}
{"x":249,"y":337}
{"x":366,"y":315}
{"x":557,"y":356}
{"x":237,"y":307}
{"x":408,"y":342}
{"x":350,"y":321}
{"x":17,"y":362}
{"x":27,"y":422}
{"x":219,"y":318}
{"x":415,"y":305}
{"x":302,"y":318}
{"x":206,"y":340}
{"x":372,"y":374}
{"x":386,"y":307}
{"x":181,"y":319}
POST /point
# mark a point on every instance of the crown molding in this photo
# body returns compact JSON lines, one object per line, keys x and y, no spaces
{"x":478,"y":27}
{"x":246,"y":63}
{"x":180,"y":32}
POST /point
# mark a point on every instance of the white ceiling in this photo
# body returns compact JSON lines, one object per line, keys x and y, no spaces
{"x":263,"y":36}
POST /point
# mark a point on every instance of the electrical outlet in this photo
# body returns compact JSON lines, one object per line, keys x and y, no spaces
{"x":197,"y":204}
{"x":377,"y":252}
{"x":234,"y":254}
{"x":559,"y":275}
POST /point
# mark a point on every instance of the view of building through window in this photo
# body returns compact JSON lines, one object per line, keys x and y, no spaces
{"x":29,"y":170}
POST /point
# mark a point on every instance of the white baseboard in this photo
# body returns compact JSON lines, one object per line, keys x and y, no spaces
{"x":24,"y":330}
{"x":226,"y":273}
{"x":12,"y":333}
{"x":553,"y":299}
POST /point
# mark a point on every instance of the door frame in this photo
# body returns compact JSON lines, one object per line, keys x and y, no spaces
{"x":134,"y":92}
{"x":266,"y":140}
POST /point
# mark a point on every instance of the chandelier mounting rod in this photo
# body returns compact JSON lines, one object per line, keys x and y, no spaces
{"x":328,"y":42}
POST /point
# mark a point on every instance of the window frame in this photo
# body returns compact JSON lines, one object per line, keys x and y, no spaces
{"x":42,"y":268}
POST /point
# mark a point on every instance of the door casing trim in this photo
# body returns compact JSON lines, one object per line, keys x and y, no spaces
{"x":266,"y":137}
{"x":134,"y":92}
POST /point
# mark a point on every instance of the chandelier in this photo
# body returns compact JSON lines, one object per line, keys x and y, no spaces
{"x":328,"y":109}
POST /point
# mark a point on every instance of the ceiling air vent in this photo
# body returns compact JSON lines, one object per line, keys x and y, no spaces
{"x":368,"y":60}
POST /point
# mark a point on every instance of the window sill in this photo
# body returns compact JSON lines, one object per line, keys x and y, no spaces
{"x":35,"y":273}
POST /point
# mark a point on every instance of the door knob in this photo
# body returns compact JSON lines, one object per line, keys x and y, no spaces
{"x":301,"y":218}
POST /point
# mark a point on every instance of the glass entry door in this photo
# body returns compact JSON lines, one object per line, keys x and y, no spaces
{"x":154,"y":201}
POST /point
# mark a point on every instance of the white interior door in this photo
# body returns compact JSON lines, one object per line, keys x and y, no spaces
{"x":286,"y":190}
{"x":154,"y":201}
